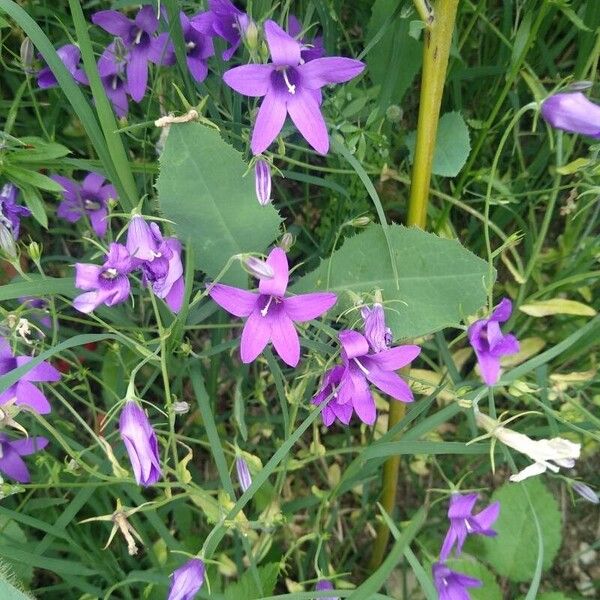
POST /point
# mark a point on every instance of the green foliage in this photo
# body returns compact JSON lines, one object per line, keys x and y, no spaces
{"x":452,"y":145}
{"x":514,"y":552}
{"x":203,"y":190}
{"x":247,"y":588}
{"x":490,"y":590}
{"x":439,"y":281}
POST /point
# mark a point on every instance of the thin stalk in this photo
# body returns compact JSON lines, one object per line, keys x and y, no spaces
{"x":436,"y":51}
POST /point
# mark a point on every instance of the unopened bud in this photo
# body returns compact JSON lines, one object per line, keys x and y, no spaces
{"x":287,"y":241}
{"x":586,"y":492}
{"x":119,"y":49}
{"x":26,"y":54}
{"x":262,"y":180}
{"x":243,"y":473}
{"x":181,"y":407}
{"x":578,"y":86}
{"x":360,"y":221}
{"x":258,"y":268}
{"x":394,"y":113}
{"x":35,"y":251}
{"x":251,"y":37}
{"x":7,"y":242}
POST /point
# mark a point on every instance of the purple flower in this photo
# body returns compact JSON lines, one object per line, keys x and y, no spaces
{"x":586,"y":492}
{"x":463,"y":522}
{"x":107,"y":284}
{"x":322,"y":585}
{"x":451,"y":585}
{"x":90,"y":198}
{"x":198,"y":45}
{"x":490,"y":344}
{"x":271,"y":315}
{"x":24,"y":392}
{"x":378,"y":335}
{"x":159,"y":259}
{"x":71,"y":58}
{"x":138,"y":38}
{"x":187,"y":580}
{"x":243,"y":473}
{"x":10,"y":211}
{"x":140,"y":440}
{"x":225,"y":21}
{"x":39,"y":309}
{"x":309,"y":50}
{"x":111,"y":67}
{"x":347,"y":386}
{"x":572,"y":112}
{"x":290,"y":86}
{"x":262,"y":180}
{"x":11,"y":463}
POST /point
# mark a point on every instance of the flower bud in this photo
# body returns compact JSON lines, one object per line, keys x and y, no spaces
{"x":258,"y":268}
{"x":323,"y":585}
{"x":243,"y":473}
{"x":140,"y":441}
{"x":26,"y":53}
{"x":262,"y":180}
{"x":287,"y":241}
{"x":35,"y":252}
{"x":7,"y":242}
{"x":394,"y":113}
{"x":586,"y":492}
{"x":378,"y":335}
{"x":181,"y":408}
{"x":573,"y":113}
{"x":251,"y":37}
{"x":187,"y":580}
{"x":360,"y":221}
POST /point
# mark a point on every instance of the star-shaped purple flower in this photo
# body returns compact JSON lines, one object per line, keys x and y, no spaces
{"x":160,"y":260}
{"x":309,"y":50}
{"x":11,"y":463}
{"x":225,"y":20}
{"x":112,"y":70}
{"x":451,"y":585}
{"x":271,"y":315}
{"x":10,"y":211}
{"x":463,"y":522}
{"x":198,"y":45}
{"x":346,"y":387}
{"x":107,"y":284}
{"x":290,"y":86}
{"x":89,"y":199}
{"x":138,"y":38}
{"x":24,"y":392}
{"x":71,"y":58}
{"x":490,"y":344}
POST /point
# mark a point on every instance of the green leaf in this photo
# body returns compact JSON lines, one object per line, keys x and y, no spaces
{"x":490,"y":590}
{"x":551,"y":596}
{"x":33,"y":200}
{"x":8,"y":590}
{"x":452,"y":145}
{"x":440,"y":282}
{"x":513,"y":552}
{"x":38,"y":286}
{"x":246,"y":587}
{"x":202,"y":189}
{"x":38,"y":150}
{"x":12,"y":533}
{"x":395,"y":57}
{"x":28,"y":176}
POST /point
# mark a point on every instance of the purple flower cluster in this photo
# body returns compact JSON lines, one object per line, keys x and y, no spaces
{"x":10,"y":211}
{"x":157,"y":258}
{"x":366,"y":359}
{"x":450,"y":584}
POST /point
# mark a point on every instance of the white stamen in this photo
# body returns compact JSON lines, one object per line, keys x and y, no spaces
{"x":290,"y":86}
{"x":190,"y":45}
{"x":361,"y":367}
{"x":138,"y":36}
{"x":265,"y":310}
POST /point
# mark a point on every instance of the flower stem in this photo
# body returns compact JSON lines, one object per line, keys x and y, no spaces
{"x":436,"y":51}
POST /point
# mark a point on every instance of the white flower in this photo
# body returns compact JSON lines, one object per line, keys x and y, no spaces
{"x":545,"y":453}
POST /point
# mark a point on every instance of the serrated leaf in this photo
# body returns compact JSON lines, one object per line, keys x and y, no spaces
{"x":9,"y":591}
{"x":440,"y":282}
{"x":490,"y":590}
{"x":246,"y":587}
{"x":557,"y":306}
{"x":513,"y":552}
{"x":202,"y":189}
{"x":452,"y":145}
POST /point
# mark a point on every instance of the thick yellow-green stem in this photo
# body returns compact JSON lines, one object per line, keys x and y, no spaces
{"x":438,"y":37}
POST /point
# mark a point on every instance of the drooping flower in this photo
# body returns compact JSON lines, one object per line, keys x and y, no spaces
{"x":243,"y":473}
{"x":70,"y":55}
{"x":290,"y":86}
{"x":10,"y":211}
{"x":225,"y":20}
{"x":309,"y":50}
{"x":140,"y":42}
{"x":90,"y":198}
{"x":347,"y":386}
{"x":11,"y":451}
{"x":107,"y":284}
{"x":490,"y":344}
{"x":378,"y":335}
{"x":572,"y":112}
{"x":271,"y":315}
{"x":586,"y":492}
{"x":160,"y":260}
{"x":141,"y":443}
{"x":262,"y":180}
{"x":463,"y":522}
{"x":24,"y":392}
{"x":545,"y":453}
{"x":323,"y":585}
{"x":198,"y":45}
{"x":111,"y":67}
{"x":451,"y":585}
{"x":187,"y":580}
